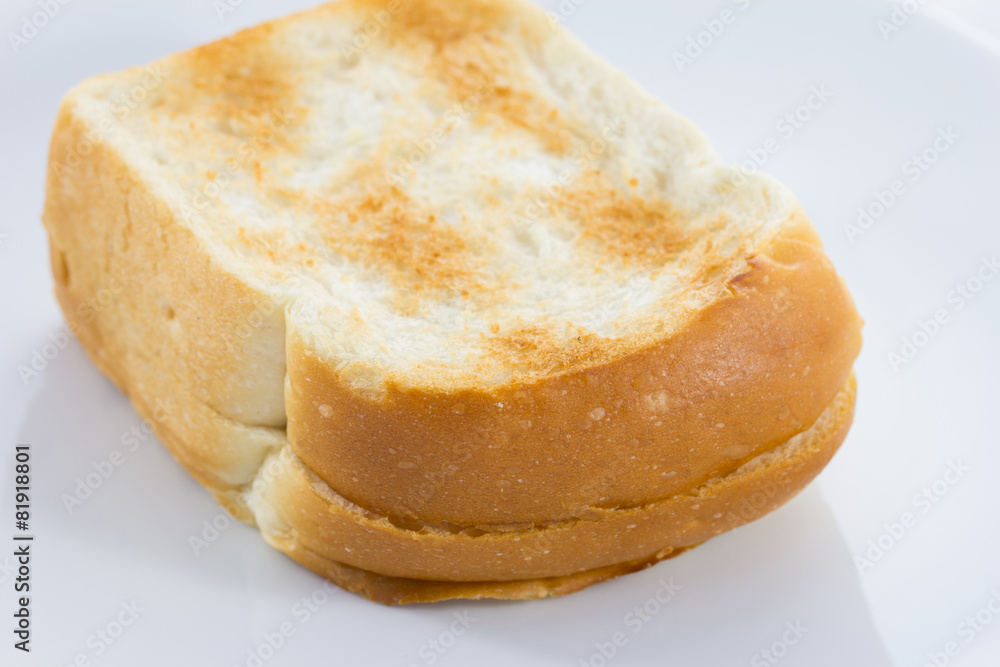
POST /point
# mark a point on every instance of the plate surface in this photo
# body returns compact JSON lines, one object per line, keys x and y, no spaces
{"x":892,"y":557}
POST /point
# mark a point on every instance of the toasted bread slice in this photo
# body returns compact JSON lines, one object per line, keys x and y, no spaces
{"x":444,"y":268}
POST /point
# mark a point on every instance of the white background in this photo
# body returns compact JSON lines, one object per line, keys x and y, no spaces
{"x":983,"y":15}
{"x":890,"y":97}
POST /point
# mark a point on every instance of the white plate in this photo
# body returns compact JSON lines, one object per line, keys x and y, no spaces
{"x":739,"y":594}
